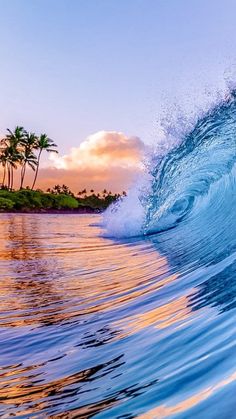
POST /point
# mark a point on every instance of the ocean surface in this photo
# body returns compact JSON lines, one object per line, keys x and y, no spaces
{"x":112,"y":328}
{"x":129,"y":314}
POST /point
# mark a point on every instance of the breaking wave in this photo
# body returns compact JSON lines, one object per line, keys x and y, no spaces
{"x":192,"y":191}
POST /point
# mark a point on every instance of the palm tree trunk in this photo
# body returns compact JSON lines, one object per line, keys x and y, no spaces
{"x":9,"y":176}
{"x":12,"y":178}
{"x":37,"y":169}
{"x":22,"y":175}
{"x":4,"y":176}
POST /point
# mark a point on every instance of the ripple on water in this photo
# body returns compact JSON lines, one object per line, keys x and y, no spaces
{"x":114,"y":329}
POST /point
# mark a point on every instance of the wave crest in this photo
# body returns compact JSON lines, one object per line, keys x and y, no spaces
{"x":192,"y":184}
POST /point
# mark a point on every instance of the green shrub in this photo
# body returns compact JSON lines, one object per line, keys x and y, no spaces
{"x":26,"y":199}
{"x":5,"y":194}
{"x":48,"y":201}
{"x":23,"y":199}
{"x":65,"y":201}
{"x":6,"y":204}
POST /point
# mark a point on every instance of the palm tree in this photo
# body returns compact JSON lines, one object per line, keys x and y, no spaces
{"x":65,"y":190}
{"x":13,"y":156}
{"x":3,"y":161}
{"x":29,"y":144}
{"x":57,"y":189}
{"x":43,"y":143}
{"x":14,"y":138}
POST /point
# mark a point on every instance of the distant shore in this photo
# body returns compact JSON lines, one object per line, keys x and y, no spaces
{"x":57,"y":201}
{"x":81,"y":210}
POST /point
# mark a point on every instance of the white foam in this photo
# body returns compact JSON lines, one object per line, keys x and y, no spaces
{"x":127,"y":216}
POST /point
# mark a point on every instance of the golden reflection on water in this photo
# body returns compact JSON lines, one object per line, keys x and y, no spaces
{"x":57,"y":271}
{"x":161,"y":317}
{"x":54,"y":273}
{"x":44,"y":287}
{"x":164,"y":411}
{"x":25,"y":387}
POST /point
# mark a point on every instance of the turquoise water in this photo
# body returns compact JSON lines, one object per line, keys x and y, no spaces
{"x":115,"y":328}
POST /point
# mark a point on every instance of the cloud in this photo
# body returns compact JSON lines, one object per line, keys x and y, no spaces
{"x":102,"y":149}
{"x":106,"y":159}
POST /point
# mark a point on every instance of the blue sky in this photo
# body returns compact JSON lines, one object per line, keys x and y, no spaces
{"x":75,"y":67}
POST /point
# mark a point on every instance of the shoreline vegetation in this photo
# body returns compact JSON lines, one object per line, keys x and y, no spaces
{"x":22,"y":150}
{"x":56,"y":200}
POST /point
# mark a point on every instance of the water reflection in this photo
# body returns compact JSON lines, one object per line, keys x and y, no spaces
{"x":218,"y":291}
{"x":166,"y":315}
{"x":93,"y":327}
{"x":28,"y":389}
{"x":164,"y":411}
{"x":27,"y":274}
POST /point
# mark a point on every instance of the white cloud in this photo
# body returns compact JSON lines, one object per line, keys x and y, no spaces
{"x":103,"y":149}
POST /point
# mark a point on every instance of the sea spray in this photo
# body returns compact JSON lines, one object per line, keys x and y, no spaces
{"x":126,"y":217}
{"x":184,"y":166}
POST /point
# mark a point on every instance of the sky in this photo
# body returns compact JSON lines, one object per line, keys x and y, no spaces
{"x":104,"y":71}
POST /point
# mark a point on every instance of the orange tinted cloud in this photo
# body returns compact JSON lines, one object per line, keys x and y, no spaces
{"x":102,"y":149}
{"x":104,"y":160}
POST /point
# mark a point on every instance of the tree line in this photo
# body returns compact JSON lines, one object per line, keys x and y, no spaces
{"x":84,"y":193}
{"x":22,"y":149}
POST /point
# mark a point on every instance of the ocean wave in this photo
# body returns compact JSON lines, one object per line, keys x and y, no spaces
{"x":191,"y":188}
